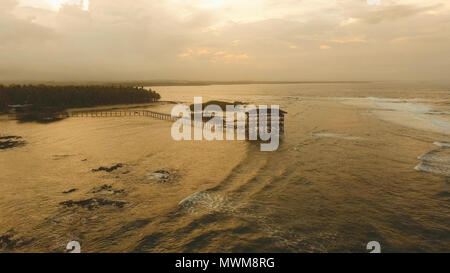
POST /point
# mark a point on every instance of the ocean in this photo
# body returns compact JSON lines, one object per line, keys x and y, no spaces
{"x":358,"y":162}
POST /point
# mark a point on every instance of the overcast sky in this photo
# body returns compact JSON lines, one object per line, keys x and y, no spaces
{"x":224,"y":40}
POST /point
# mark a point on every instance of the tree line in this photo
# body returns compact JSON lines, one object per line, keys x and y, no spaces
{"x":63,"y":97}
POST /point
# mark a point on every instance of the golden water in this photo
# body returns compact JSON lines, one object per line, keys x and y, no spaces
{"x":347,"y":172}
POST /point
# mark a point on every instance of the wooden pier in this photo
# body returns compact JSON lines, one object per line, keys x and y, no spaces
{"x":162,"y":116}
{"x":121,"y":113}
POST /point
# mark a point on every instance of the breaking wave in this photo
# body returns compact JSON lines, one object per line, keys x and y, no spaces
{"x":436,"y":161}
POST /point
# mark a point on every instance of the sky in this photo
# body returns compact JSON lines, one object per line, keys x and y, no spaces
{"x":272,"y":40}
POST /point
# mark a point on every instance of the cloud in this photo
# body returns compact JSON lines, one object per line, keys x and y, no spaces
{"x":349,"y":40}
{"x":213,"y":56}
{"x":196,"y":39}
{"x":349,"y":21}
{"x":397,"y":12}
{"x":18,"y":32}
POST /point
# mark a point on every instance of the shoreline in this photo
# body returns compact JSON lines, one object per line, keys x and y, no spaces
{"x":121,"y":106}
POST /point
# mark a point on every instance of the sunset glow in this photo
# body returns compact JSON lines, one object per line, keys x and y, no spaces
{"x":262,"y":39}
{"x":55,"y":4}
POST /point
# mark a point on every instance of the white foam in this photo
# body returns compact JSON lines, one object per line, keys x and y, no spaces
{"x":442,"y":144}
{"x":436,"y":157}
{"x":203,"y":199}
{"x":408,"y":113}
{"x":432,"y":169}
{"x":436,"y":161}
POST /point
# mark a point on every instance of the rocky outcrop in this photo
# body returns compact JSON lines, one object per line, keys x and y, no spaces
{"x":109,"y":169}
{"x":9,"y":142}
{"x":163,"y":176}
{"x":93,"y":203}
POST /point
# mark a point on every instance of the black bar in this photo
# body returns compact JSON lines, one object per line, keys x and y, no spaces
{"x":222,"y":262}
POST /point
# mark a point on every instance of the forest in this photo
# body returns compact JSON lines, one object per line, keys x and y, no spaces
{"x":64,"y":97}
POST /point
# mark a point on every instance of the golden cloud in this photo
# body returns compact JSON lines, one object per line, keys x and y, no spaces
{"x":214,"y":55}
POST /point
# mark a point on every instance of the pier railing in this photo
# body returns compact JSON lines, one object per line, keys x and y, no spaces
{"x":121,"y":113}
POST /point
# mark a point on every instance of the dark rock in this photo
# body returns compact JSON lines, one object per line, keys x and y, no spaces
{"x":102,"y":188}
{"x":93,"y":203}
{"x":60,"y":157}
{"x":107,"y":188}
{"x":9,"y":142}
{"x":10,"y":241}
{"x":70,"y":191}
{"x":110,"y":169}
{"x":443,"y":194}
{"x":10,"y":137}
{"x":160,"y":175}
{"x":7,"y":242}
{"x":162,"y":172}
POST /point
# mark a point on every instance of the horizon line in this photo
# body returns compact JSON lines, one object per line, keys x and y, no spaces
{"x":165,"y":82}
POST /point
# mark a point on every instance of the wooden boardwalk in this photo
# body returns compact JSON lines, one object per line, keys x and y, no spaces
{"x":121,"y":113}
